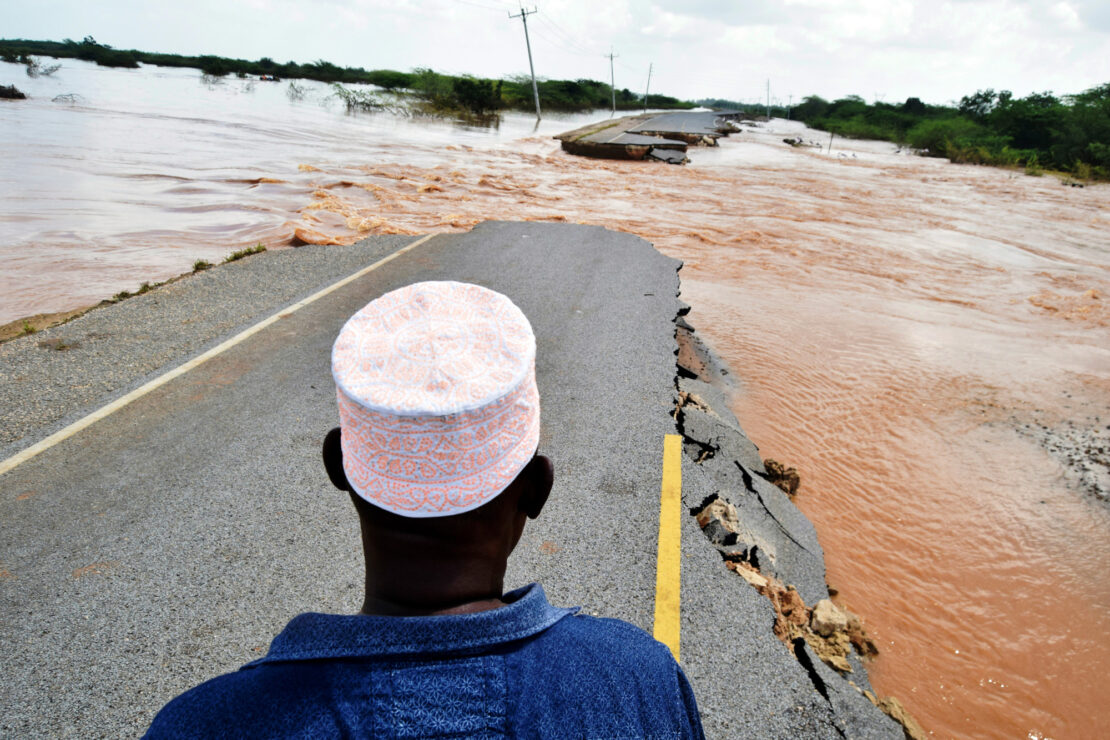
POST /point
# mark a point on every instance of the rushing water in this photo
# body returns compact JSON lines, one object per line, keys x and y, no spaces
{"x":905,"y":331}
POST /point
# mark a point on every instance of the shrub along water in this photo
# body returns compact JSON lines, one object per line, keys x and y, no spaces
{"x":1040,"y":131}
{"x":439,"y":93}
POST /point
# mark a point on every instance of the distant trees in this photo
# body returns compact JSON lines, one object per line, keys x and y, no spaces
{"x":102,"y":54}
{"x":478,"y":96}
{"x":441,"y":92}
{"x":389,"y":79}
{"x":1069,"y":133}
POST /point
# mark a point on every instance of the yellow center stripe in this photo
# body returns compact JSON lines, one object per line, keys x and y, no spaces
{"x":668,"y":598}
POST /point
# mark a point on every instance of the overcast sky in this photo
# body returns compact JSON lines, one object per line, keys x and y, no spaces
{"x":885,"y":49}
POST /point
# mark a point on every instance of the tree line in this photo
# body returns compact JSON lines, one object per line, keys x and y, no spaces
{"x":1068,"y":133}
{"x":445,"y":92}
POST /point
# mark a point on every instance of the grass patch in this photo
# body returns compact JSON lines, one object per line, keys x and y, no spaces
{"x":1033,"y":167}
{"x":201,"y":265}
{"x":597,"y":130}
{"x":27,"y":328}
{"x":59,"y":344}
{"x":144,"y":288}
{"x":257,"y":249}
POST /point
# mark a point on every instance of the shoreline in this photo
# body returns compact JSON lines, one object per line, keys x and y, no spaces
{"x":35,"y":323}
{"x":87,"y":356}
{"x":808,"y":621}
{"x":41,"y":321}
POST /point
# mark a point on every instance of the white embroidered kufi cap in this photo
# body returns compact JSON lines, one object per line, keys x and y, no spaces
{"x":437,"y":394}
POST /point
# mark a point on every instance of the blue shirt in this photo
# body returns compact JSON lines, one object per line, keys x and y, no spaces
{"x":526,"y":669}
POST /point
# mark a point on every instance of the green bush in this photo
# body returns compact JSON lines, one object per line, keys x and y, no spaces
{"x":389,"y":79}
{"x":937,"y":136}
{"x":477,"y":96}
{"x":104,"y":55}
{"x":215,"y":66}
{"x":1033,"y":167}
{"x":433,"y":87}
{"x":854,"y":128}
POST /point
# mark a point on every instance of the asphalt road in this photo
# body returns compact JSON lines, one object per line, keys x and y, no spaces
{"x":169,"y":542}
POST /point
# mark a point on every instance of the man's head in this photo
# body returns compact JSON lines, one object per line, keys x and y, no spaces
{"x":439,"y":424}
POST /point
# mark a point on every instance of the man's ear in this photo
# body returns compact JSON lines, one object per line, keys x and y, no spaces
{"x":539,"y":474}
{"x":333,"y":460}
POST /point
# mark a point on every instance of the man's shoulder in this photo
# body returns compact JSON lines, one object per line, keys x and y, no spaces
{"x":598,"y":677}
{"x":243,"y":703}
{"x":611,"y":638}
{"x":580,"y":676}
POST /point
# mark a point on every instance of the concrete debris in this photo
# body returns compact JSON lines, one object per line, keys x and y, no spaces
{"x":797,"y":141}
{"x":861,"y":641}
{"x":721,"y":513}
{"x":827,"y":618}
{"x":693,"y":399}
{"x":736,"y":541}
{"x":748,"y":573}
{"x":670,"y":156}
{"x":785,"y":478}
{"x":894,"y":709}
{"x":825,"y":627}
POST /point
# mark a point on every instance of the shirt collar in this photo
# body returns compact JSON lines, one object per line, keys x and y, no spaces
{"x":315,"y":636}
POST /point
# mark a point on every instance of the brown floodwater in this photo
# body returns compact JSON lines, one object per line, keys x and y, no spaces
{"x":904,"y":331}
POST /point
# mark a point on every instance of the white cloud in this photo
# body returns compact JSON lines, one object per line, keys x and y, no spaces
{"x":895,"y":48}
{"x":1067,"y":16}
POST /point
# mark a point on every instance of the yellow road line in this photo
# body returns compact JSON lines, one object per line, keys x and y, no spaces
{"x":668,"y":564}
{"x":87,"y":421}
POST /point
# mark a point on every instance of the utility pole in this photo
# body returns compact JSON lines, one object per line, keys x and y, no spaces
{"x":648,"y":88}
{"x":523,"y":16}
{"x":768,"y":100}
{"x":790,"y":106}
{"x":612,"y":79}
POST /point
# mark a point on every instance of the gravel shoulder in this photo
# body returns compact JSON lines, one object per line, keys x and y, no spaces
{"x":50,"y":378}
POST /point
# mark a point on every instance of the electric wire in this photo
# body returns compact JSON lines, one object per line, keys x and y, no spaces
{"x":569,"y":39}
{"x":480,"y":5}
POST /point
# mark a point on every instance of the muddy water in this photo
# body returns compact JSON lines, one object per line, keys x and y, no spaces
{"x":904,"y":331}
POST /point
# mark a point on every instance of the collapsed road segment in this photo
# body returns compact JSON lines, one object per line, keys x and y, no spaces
{"x":171,"y":540}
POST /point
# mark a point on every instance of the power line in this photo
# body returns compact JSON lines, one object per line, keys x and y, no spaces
{"x":480,"y":5}
{"x":628,"y":67}
{"x":569,"y":38}
{"x":557,"y":44}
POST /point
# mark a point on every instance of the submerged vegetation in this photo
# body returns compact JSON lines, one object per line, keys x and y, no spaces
{"x":1039,"y":132}
{"x":437,"y":93}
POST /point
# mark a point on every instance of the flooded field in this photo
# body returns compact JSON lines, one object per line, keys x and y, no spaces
{"x":928,"y":343}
